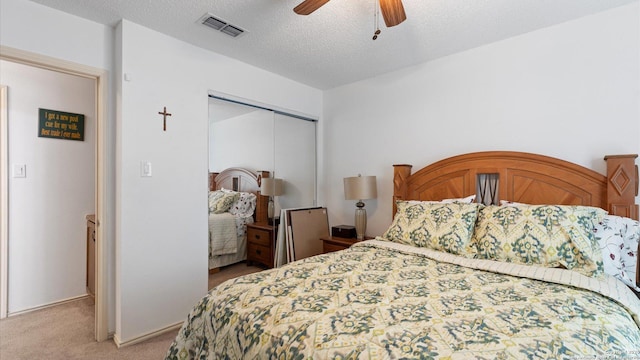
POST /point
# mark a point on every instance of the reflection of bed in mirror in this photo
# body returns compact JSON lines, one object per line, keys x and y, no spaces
{"x":234,"y":202}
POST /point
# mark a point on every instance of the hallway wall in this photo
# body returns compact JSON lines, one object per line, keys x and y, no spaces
{"x":47,"y":208}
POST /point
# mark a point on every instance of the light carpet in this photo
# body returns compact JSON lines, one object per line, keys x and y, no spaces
{"x":66,"y":331}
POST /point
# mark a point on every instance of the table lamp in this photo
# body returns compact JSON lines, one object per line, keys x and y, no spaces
{"x":360,"y":188}
{"x":271,"y":187}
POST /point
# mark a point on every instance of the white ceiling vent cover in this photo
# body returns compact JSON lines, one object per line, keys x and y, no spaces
{"x":220,"y":25}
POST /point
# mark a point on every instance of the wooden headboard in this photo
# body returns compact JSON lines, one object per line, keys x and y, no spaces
{"x":526,"y":178}
{"x":239,"y":179}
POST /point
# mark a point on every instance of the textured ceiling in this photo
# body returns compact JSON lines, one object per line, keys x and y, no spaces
{"x":333,"y":46}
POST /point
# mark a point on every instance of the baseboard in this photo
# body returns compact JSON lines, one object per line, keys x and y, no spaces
{"x":75,"y":298}
{"x":139,"y":339}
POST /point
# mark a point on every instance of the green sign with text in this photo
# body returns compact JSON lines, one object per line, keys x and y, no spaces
{"x":60,"y":125}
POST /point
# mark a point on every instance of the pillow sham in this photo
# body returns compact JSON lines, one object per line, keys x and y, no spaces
{"x":510,"y":203}
{"x":629,"y":254}
{"x":618,"y":240}
{"x":439,"y":226}
{"x":544,"y":235}
{"x":244,"y":206}
{"x":214,"y":196}
{"x":222,"y":202}
{"x":466,"y":200}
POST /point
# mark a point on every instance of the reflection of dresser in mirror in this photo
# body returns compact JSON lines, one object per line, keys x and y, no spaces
{"x":261,"y":244}
{"x":91,"y":254}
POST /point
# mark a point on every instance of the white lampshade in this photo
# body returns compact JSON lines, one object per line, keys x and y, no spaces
{"x":360,"y":188}
{"x":271,"y":187}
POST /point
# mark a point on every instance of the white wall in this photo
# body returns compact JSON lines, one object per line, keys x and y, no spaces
{"x":42,"y":30}
{"x":569,"y":91}
{"x":242,"y":141}
{"x":162,"y":220}
{"x":47,"y":208}
{"x":32,"y":27}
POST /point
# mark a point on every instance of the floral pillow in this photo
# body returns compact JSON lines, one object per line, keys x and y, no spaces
{"x":618,"y":240}
{"x":214,"y":196}
{"x":544,"y":235}
{"x":244,"y":206}
{"x":220,"y":201}
{"x":439,"y":226}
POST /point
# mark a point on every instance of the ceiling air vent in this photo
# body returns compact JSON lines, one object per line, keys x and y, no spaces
{"x":221,"y":25}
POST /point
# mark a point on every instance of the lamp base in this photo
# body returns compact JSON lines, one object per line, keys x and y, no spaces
{"x":270,"y":211}
{"x":361,"y":222}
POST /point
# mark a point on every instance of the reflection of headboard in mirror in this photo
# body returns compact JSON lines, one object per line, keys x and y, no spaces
{"x":526,"y":178}
{"x":239,"y":179}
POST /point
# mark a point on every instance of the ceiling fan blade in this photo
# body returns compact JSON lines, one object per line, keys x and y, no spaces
{"x":392,"y":12}
{"x":308,"y":6}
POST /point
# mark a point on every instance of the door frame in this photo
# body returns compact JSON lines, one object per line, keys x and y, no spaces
{"x":100,"y":76}
{"x":4,"y":202}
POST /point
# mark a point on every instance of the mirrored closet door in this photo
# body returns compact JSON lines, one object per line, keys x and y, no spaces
{"x":268,"y":143}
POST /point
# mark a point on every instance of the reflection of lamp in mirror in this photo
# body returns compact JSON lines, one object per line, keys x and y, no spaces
{"x":271,"y":187}
{"x":360,"y":188}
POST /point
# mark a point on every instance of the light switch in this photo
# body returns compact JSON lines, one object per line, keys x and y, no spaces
{"x":145,"y":168}
{"x":19,"y":170}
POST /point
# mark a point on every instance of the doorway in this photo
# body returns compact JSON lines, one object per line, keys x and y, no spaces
{"x":98,"y":77}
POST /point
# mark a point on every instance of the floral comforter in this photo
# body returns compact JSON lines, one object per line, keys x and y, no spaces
{"x":380,"y":300}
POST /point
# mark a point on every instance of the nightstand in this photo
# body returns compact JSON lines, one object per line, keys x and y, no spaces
{"x":334,"y":243}
{"x":260,"y":244}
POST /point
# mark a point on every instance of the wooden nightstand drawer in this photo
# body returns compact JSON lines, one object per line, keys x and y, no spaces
{"x":259,"y":253}
{"x":333,"y":243}
{"x":260,"y":244}
{"x":259,"y":236}
{"x":329,"y":247}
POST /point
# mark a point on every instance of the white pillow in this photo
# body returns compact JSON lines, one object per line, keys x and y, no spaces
{"x":244,"y":206}
{"x":618,"y":239}
{"x":466,"y":200}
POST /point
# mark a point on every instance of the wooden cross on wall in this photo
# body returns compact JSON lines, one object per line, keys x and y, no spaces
{"x":164,"y":114}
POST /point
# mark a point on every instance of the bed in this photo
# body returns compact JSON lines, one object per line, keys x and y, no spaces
{"x":433,"y":287}
{"x":234,"y":202}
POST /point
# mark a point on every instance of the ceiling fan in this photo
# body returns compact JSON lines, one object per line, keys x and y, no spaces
{"x":392,"y":10}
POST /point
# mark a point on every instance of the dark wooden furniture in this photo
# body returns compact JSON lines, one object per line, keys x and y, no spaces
{"x":525,"y":178}
{"x":260,"y":244}
{"x":91,"y":255}
{"x":334,"y":243}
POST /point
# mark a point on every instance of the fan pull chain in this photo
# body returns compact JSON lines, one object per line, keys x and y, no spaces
{"x":376,"y":19}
